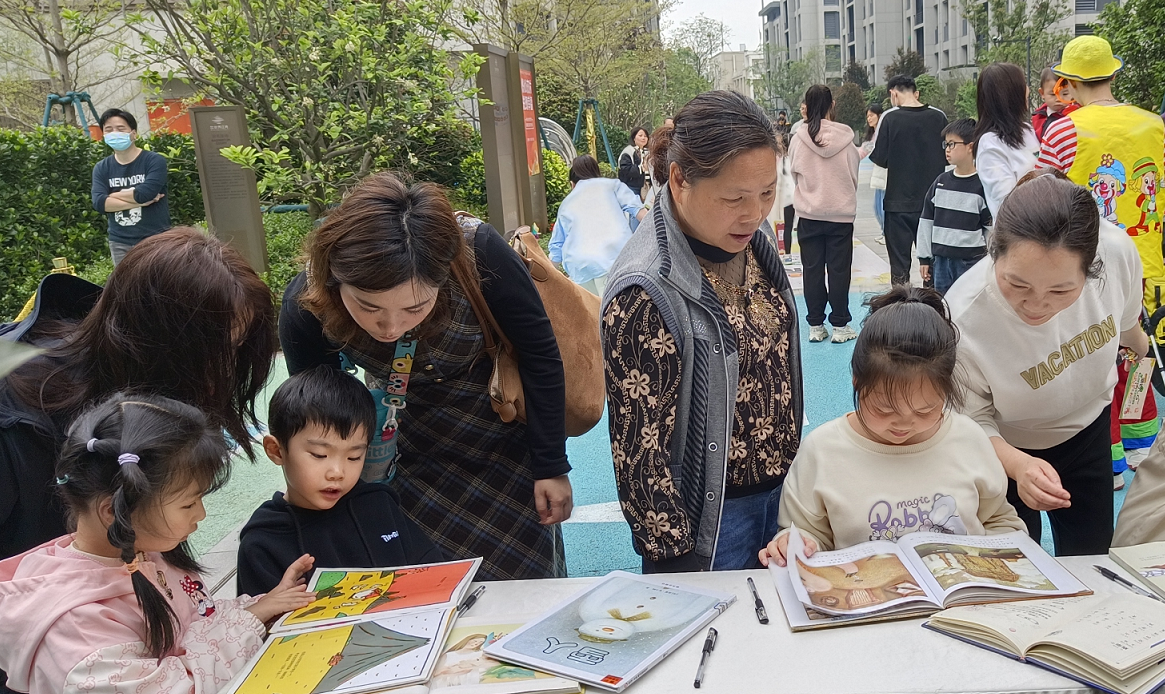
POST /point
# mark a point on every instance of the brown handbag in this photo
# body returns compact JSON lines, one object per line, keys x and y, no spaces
{"x":574,"y":316}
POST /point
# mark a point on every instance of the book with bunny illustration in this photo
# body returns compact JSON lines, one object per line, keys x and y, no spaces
{"x":352,"y":595}
{"x":613,"y":632}
{"x":916,"y":576}
{"x":368,"y":630}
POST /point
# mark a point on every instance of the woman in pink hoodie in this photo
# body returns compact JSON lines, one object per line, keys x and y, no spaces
{"x":119,"y":606}
{"x":824,"y":163}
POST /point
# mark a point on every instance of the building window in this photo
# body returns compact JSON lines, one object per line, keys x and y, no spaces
{"x":964,"y":60}
{"x":946,"y":59}
{"x":964,"y":26}
{"x":1084,"y":30}
{"x":833,"y":58}
{"x":1085,"y":6}
{"x":830,"y":2}
{"x":833,"y":25}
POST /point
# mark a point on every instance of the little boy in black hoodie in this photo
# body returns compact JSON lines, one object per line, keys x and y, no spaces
{"x":321,"y":421}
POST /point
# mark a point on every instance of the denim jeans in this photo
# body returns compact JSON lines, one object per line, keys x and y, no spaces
{"x":879,"y":213}
{"x":946,"y":270}
{"x":746,"y":525}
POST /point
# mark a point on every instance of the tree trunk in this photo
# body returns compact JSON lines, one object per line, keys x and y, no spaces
{"x":64,"y":73}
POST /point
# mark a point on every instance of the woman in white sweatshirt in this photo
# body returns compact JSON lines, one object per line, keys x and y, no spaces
{"x":824,"y":163}
{"x":1041,"y":327}
{"x":1006,"y":147}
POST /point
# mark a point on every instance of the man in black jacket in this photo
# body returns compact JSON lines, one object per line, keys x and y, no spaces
{"x":909,"y":145}
{"x":321,"y":421}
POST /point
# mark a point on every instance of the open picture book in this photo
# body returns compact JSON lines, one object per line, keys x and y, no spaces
{"x":1145,"y":562}
{"x":1115,"y":643}
{"x":368,"y":630}
{"x":613,"y":632}
{"x":916,"y":576}
{"x":464,"y":668}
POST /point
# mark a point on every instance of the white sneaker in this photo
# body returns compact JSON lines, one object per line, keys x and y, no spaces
{"x":1118,"y":482}
{"x":1135,"y":457}
{"x":818,"y":333}
{"x":843,"y":334}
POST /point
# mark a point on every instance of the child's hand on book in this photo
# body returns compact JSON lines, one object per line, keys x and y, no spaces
{"x":775,"y":550}
{"x":290,"y":594}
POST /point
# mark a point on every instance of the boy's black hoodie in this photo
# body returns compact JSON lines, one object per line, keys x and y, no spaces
{"x":365,"y":529}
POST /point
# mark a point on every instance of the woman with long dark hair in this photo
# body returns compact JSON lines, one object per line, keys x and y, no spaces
{"x":388,"y":290}
{"x":824,"y":162}
{"x":702,"y":354}
{"x":878,"y":177}
{"x":183,"y":316}
{"x":632,"y":169}
{"x":1006,"y":147}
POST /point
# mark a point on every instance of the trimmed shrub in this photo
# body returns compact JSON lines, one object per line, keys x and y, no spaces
{"x":469,"y":193}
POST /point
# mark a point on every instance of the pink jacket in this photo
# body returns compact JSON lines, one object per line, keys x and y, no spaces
{"x":826,"y":177}
{"x":71,"y":624}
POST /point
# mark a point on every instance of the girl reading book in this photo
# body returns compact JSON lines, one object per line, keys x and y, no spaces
{"x":903,"y":460}
{"x":119,"y":606}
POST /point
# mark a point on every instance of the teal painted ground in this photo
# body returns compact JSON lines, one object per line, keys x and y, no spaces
{"x":591,"y":548}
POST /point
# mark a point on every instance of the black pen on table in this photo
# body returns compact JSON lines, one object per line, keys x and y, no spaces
{"x":470,"y":599}
{"x":1116,"y":578}
{"x":709,"y":644}
{"x":760,"y":606}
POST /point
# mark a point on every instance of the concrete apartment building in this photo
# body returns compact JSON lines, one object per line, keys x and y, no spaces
{"x":869,"y":32}
{"x":736,"y":70}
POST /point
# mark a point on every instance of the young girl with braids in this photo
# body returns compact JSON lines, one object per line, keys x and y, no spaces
{"x":118,"y":606}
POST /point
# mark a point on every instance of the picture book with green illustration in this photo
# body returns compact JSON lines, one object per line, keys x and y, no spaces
{"x":918,"y":575}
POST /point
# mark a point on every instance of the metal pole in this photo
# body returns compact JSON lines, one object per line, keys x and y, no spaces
{"x":1029,"y":60}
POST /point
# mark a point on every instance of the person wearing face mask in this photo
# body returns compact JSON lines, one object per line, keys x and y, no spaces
{"x":129,"y":186}
{"x":1042,"y":320}
{"x":387,"y":287}
{"x":701,"y":347}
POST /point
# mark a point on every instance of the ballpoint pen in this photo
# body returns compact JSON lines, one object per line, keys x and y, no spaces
{"x":1115,"y":578}
{"x":472,"y":598}
{"x":760,"y":606}
{"x":709,"y":644}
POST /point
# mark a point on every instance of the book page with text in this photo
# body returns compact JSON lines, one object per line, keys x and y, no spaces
{"x":1019,"y":623}
{"x":1123,"y":632}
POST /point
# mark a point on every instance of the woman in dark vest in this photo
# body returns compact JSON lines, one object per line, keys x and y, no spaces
{"x":385,"y":292}
{"x":701,"y":347}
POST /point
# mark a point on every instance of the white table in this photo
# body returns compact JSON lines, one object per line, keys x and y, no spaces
{"x":887,"y":658}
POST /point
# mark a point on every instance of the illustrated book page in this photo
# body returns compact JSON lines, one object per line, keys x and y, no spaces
{"x":612,"y":632}
{"x":962,"y":569}
{"x":379,"y":653}
{"x":352,"y":595}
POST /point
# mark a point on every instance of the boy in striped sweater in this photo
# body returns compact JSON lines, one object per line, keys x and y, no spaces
{"x":952,"y":232}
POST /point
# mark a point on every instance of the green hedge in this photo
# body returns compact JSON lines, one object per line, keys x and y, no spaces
{"x":469,"y":192}
{"x":46,"y":210}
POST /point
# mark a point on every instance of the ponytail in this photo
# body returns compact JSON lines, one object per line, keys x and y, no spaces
{"x":135,"y":451}
{"x":818,"y":104}
{"x":908,"y":334}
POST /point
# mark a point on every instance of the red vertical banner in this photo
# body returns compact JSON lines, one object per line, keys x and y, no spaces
{"x":532,"y":148}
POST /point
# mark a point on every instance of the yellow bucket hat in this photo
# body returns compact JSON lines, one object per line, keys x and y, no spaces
{"x":1088,"y":58}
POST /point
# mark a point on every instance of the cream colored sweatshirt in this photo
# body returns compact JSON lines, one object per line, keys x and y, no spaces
{"x":844,"y":489}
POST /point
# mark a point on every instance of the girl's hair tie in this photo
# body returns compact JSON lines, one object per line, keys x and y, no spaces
{"x":132,"y":566}
{"x":62,"y":481}
{"x":126,"y":458}
{"x":90,"y":445}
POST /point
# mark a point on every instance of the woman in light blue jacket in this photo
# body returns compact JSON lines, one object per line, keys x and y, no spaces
{"x":594,"y":222}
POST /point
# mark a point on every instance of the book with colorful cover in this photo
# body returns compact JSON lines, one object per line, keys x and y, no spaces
{"x":351,"y":595}
{"x":613,"y":632}
{"x":916,"y":576}
{"x":368,"y":630}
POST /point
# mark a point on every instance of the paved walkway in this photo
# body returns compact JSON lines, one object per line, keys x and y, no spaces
{"x":597,"y":538}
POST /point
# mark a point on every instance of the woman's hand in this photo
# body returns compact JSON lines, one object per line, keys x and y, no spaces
{"x":1036,"y":480}
{"x":290,"y":594}
{"x":775,"y":550}
{"x":554,"y":499}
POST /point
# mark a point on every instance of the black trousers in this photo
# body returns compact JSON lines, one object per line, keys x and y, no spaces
{"x":1084,"y":463}
{"x":790,"y":215}
{"x":901,"y":231}
{"x":826,"y":245}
